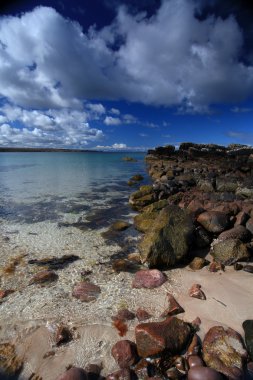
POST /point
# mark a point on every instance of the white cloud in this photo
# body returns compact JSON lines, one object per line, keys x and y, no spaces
{"x":97,"y":108}
{"x":121,"y":146}
{"x":173,"y":58}
{"x":241,"y":109}
{"x":109,"y":120}
{"x":115,"y":111}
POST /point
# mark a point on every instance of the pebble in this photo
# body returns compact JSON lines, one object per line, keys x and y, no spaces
{"x":196,"y":292}
{"x":148,"y":279}
{"x":86,"y":291}
{"x":124,"y":352}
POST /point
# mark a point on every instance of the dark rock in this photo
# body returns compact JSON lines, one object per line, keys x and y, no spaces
{"x":10,"y":363}
{"x":122,"y":374}
{"x":173,"y":374}
{"x":215,"y":267}
{"x":74,"y":373}
{"x":173,"y":308}
{"x":93,"y":369}
{"x":148,"y":279}
{"x":223,"y":350}
{"x":249,"y":225}
{"x":229,"y":251}
{"x":168,"y":240}
{"x":154,"y":337}
{"x":248,"y":268}
{"x":248,"y":331}
{"x":124,"y":315}
{"x":144,"y":221}
{"x":241,"y":218}
{"x":202,"y":238}
{"x":142,"y":315}
{"x":129,"y":159}
{"x":196,"y":323}
{"x":86,"y":291}
{"x":136,"y":178}
{"x":124,"y":353}
{"x":123,"y":265}
{"x":195,"y":361}
{"x":198,"y":263}
{"x":213,"y":221}
{"x":194,"y":346}
{"x":5,"y":292}
{"x":44,"y":277}
{"x":63,"y":335}
{"x":196,"y":292}
{"x":237,"y":232}
{"x":144,"y":369}
{"x":141,"y":198}
{"x":204,"y":373}
{"x":55,"y":263}
{"x":238,"y":266}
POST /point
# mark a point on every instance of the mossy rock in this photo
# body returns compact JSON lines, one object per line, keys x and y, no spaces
{"x":137,"y":178}
{"x":120,"y":225}
{"x":229,"y":251}
{"x":156,"y":206}
{"x":141,"y":198}
{"x":144,"y":221}
{"x":168,"y":240}
{"x":129,"y":159}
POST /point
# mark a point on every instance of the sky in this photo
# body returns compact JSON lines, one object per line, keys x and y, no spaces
{"x":125,"y":74}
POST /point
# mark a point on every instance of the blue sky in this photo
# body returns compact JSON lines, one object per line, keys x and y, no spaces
{"x":124,"y":74}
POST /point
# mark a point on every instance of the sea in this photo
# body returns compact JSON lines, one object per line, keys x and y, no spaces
{"x":42,"y":192}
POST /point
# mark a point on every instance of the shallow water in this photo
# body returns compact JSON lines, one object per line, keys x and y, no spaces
{"x":36,"y":187}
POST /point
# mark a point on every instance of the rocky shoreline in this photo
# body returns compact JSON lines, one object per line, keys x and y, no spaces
{"x":196,"y":221}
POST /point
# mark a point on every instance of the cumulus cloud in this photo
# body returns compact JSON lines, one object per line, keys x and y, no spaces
{"x":171,"y":59}
{"x":115,"y":111}
{"x":56,"y":128}
{"x":109,"y":120}
{"x":241,"y":109}
{"x":121,"y":146}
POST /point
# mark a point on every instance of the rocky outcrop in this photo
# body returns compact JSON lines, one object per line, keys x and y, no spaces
{"x":229,"y":251}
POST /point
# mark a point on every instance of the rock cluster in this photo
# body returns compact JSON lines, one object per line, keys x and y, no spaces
{"x":201,"y":198}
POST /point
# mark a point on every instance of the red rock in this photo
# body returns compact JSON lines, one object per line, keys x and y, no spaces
{"x":213,"y":221}
{"x":154,"y":337}
{"x":4,"y":293}
{"x":148,"y":279}
{"x":215,"y":267}
{"x":124,"y":315}
{"x":173,"y":308}
{"x":124,"y":353}
{"x":74,"y":373}
{"x":241,"y":218}
{"x":122,"y":374}
{"x":223,"y":350}
{"x":63,"y":335}
{"x":142,"y":315}
{"x":204,"y":373}
{"x":142,"y":369}
{"x":196,"y":323}
{"x":121,"y":326}
{"x":43,"y":277}
{"x":195,"y":361}
{"x":194,"y":346}
{"x":196,"y":292}
{"x":86,"y":291}
{"x":237,"y":232}
{"x":196,"y":207}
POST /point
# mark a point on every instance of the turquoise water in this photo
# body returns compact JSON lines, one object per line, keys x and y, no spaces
{"x":45,"y":186}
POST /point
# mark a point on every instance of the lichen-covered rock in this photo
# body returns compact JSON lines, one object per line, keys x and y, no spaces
{"x":248,"y":331}
{"x":86,"y":291}
{"x":141,"y":198}
{"x":124,"y":353}
{"x":168,"y":240}
{"x":144,"y":221}
{"x":223,"y":350}
{"x":229,"y":251}
{"x":213,"y":221}
{"x":154,"y":337}
{"x":148,"y":279}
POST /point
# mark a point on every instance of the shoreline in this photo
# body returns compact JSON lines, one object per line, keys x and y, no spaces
{"x":115,"y":277}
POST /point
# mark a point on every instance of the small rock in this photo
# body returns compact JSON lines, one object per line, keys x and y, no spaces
{"x":198,"y":263}
{"x":86,"y":291}
{"x":173,"y":374}
{"x":248,"y":268}
{"x":137,"y":178}
{"x":93,"y":368}
{"x":196,"y":292}
{"x":55,"y":263}
{"x":121,"y":326}
{"x":154,"y":337}
{"x":124,"y":315}
{"x":43,"y":277}
{"x":148,"y":279}
{"x":142,"y":315}
{"x":248,"y":331}
{"x":74,"y":373}
{"x":122,"y":374}
{"x":122,"y":265}
{"x":213,"y":221}
{"x":195,"y":361}
{"x":229,"y":251}
{"x":143,"y":369}
{"x":204,"y":373}
{"x":120,"y":225}
{"x":215,"y":267}
{"x":194,"y":347}
{"x":238,"y":266}
{"x":223,"y":350}
{"x":124,"y":353}
{"x":196,"y":323}
{"x":173,"y":308}
{"x":63,"y":335}
{"x":5,"y":292}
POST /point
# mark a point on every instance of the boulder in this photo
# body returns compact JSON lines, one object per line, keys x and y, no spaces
{"x":154,"y":337}
{"x":142,"y":197}
{"x":124,"y":353}
{"x":168,"y":240}
{"x":248,"y":331}
{"x":237,"y":232}
{"x":144,"y":221}
{"x":213,"y":221}
{"x":223,"y":350}
{"x":86,"y":291}
{"x":245,"y":192}
{"x":148,"y":279}
{"x":229,"y":251}
{"x":226,"y":184}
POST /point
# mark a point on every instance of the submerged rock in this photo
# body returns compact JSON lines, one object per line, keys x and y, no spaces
{"x":54,"y":263}
{"x":229,"y":251}
{"x":125,"y":354}
{"x":148,"y":279}
{"x":142,"y":315}
{"x":120,"y":225}
{"x":74,"y":373}
{"x":154,"y":337}
{"x":86,"y":291}
{"x":124,"y":315}
{"x":168,"y":240}
{"x":43,"y":277}
{"x":223,"y":350}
